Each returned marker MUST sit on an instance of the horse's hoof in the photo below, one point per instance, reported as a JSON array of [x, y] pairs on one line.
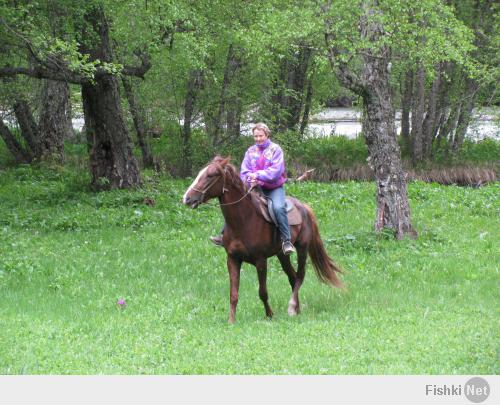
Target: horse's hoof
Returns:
[[293, 308], [293, 311]]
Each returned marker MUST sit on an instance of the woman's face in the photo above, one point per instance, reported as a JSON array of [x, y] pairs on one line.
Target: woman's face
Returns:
[[259, 136]]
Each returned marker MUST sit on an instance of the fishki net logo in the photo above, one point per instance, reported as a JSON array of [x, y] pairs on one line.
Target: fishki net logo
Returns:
[[475, 390]]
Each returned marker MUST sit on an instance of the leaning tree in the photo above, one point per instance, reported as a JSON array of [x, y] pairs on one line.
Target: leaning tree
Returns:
[[362, 41], [362, 46], [87, 60]]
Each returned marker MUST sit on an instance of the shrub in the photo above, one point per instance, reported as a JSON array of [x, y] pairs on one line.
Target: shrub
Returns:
[[331, 151], [484, 151]]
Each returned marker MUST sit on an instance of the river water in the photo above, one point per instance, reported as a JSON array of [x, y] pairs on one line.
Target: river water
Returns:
[[347, 122]]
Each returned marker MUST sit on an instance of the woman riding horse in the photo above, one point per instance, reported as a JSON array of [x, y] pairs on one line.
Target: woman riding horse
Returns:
[[264, 165], [249, 237]]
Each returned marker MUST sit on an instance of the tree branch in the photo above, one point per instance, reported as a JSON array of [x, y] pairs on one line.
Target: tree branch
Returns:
[[53, 68], [40, 72], [138, 71], [348, 78], [63, 74]]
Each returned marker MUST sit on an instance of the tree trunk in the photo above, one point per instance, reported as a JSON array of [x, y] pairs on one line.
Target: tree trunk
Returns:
[[226, 81], [234, 103], [406, 108], [28, 126], [441, 106], [379, 129], [481, 19], [307, 107], [20, 154], [417, 116], [233, 118], [112, 162], [465, 114], [137, 117], [298, 83], [55, 120], [193, 86], [278, 100], [289, 90], [430, 124], [457, 99], [452, 109], [230, 105]]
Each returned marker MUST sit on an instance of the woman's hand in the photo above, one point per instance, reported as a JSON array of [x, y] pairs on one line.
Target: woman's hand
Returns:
[[252, 179]]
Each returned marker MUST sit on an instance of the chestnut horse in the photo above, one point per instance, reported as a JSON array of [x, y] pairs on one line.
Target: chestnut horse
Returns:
[[248, 237]]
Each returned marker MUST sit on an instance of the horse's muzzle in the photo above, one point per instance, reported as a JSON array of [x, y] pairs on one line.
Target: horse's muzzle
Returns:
[[191, 202]]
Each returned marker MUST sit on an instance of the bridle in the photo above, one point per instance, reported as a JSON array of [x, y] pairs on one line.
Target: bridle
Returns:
[[224, 189]]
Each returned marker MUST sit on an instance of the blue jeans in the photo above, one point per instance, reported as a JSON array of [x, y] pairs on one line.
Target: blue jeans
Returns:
[[277, 195], [279, 206]]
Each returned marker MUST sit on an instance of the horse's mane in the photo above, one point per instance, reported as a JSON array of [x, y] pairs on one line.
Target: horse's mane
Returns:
[[231, 173]]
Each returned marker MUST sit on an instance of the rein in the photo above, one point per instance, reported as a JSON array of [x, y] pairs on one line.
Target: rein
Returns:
[[236, 202], [224, 189]]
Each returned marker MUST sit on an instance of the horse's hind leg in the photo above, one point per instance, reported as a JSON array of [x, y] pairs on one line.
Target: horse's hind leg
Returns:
[[262, 275], [293, 304], [301, 271]]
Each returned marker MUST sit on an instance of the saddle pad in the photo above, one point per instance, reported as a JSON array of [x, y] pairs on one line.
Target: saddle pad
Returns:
[[294, 217]]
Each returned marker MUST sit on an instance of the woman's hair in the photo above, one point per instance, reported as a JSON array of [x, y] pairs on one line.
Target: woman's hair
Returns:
[[263, 127]]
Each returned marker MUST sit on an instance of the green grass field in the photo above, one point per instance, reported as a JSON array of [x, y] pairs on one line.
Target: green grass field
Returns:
[[426, 306]]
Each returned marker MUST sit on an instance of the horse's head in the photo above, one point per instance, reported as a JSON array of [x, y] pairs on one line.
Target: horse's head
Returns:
[[208, 184]]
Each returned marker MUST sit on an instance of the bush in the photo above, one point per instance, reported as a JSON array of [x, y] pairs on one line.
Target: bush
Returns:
[[168, 149], [334, 157], [332, 151], [485, 151]]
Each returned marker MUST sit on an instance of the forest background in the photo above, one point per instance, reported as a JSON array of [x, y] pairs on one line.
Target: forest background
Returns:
[[93, 216]]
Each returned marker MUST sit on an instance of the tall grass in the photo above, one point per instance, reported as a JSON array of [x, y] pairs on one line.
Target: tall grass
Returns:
[[67, 255]]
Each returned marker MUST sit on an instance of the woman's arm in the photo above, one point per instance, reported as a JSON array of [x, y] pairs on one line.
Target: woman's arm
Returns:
[[245, 167], [277, 168]]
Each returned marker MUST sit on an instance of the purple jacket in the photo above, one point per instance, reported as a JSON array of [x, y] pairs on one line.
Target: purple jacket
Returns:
[[268, 162]]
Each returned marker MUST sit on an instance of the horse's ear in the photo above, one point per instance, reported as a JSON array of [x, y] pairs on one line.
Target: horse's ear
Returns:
[[225, 161]]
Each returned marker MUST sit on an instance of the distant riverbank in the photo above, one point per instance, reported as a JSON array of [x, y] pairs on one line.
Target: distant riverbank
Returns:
[[347, 122]]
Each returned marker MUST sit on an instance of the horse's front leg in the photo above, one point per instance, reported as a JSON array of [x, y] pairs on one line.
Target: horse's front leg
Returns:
[[233, 267], [262, 274]]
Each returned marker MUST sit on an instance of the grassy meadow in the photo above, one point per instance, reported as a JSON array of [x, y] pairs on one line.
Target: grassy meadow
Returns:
[[67, 255]]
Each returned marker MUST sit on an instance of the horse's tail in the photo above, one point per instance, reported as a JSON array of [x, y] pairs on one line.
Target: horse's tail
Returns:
[[325, 268]]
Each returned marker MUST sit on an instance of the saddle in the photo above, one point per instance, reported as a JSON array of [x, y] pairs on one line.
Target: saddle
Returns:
[[264, 206]]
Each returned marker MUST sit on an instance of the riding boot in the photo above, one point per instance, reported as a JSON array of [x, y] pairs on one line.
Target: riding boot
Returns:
[[288, 248]]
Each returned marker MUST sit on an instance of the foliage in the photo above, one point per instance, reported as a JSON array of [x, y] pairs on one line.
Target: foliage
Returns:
[[181, 36], [484, 151], [324, 153], [68, 255], [168, 149], [328, 153], [332, 151]]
